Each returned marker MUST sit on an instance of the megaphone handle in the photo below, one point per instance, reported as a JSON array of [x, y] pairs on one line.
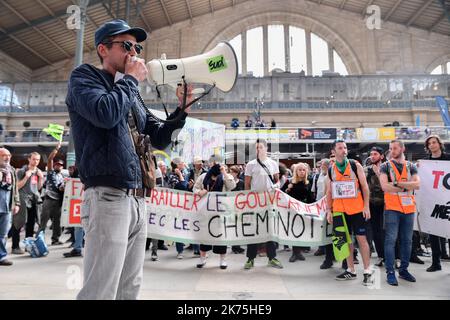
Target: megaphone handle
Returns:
[[184, 94], [198, 98], [159, 97]]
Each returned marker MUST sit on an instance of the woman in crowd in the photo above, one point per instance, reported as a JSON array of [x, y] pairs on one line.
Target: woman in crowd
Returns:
[[299, 188], [215, 180]]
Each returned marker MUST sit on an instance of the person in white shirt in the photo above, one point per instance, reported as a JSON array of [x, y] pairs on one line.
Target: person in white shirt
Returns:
[[262, 174]]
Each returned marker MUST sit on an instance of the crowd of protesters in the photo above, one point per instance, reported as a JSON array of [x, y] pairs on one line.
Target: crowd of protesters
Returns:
[[382, 226]]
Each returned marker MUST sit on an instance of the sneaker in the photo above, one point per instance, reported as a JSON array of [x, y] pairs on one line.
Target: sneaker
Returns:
[[326, 265], [319, 252], [380, 262], [223, 264], [72, 253], [154, 256], [5, 262], [249, 264], [391, 279], [405, 275], [434, 268], [275, 263], [416, 259], [17, 251], [238, 250], [56, 243], [163, 247], [202, 262], [346, 275], [297, 256], [71, 239], [180, 256], [368, 279]]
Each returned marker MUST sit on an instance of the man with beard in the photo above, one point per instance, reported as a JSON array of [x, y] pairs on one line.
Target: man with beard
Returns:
[[356, 209], [376, 200], [398, 179], [9, 201], [30, 180]]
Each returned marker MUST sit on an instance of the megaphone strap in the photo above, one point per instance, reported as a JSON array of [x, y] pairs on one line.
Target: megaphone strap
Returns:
[[183, 107]]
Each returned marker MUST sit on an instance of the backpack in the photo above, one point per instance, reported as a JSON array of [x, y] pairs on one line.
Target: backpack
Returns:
[[36, 247]]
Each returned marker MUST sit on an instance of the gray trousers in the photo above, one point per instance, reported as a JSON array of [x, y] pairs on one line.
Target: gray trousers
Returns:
[[115, 234], [51, 210]]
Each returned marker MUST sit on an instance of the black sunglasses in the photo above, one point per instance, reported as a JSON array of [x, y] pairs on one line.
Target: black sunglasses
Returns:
[[127, 45]]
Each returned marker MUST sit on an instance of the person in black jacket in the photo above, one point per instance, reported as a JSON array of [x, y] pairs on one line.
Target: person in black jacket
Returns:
[[435, 148], [299, 188], [235, 171], [101, 104]]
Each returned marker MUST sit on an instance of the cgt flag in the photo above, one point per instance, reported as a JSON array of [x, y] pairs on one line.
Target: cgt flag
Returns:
[[55, 130]]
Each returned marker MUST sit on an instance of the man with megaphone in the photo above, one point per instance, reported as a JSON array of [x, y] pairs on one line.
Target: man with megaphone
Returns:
[[113, 134]]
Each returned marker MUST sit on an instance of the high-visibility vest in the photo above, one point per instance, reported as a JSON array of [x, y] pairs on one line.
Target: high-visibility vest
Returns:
[[404, 202], [350, 205]]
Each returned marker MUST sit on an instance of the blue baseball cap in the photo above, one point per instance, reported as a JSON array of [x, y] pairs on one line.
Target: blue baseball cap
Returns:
[[116, 27]]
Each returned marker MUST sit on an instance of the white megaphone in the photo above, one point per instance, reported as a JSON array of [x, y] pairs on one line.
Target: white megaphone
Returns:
[[216, 67]]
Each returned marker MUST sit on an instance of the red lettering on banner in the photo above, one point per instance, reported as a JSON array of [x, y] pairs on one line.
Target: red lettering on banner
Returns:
[[279, 196], [239, 205], [271, 197], [186, 200], [321, 205], [77, 188], [196, 200], [163, 199], [173, 205], [293, 203], [154, 197], [75, 211], [437, 176], [255, 199]]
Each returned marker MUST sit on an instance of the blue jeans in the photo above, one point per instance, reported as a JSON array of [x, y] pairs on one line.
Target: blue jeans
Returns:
[[180, 246], [398, 224], [5, 225], [79, 234]]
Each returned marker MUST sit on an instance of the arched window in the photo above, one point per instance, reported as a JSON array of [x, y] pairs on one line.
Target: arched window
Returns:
[[281, 56], [442, 69]]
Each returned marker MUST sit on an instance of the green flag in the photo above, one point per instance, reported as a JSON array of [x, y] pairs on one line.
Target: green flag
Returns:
[[341, 238], [55, 130]]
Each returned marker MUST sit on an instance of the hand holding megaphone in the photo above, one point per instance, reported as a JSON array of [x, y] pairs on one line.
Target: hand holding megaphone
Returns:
[[136, 67], [189, 95]]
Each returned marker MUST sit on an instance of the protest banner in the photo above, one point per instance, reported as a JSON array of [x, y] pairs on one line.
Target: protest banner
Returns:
[[223, 218], [433, 198]]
